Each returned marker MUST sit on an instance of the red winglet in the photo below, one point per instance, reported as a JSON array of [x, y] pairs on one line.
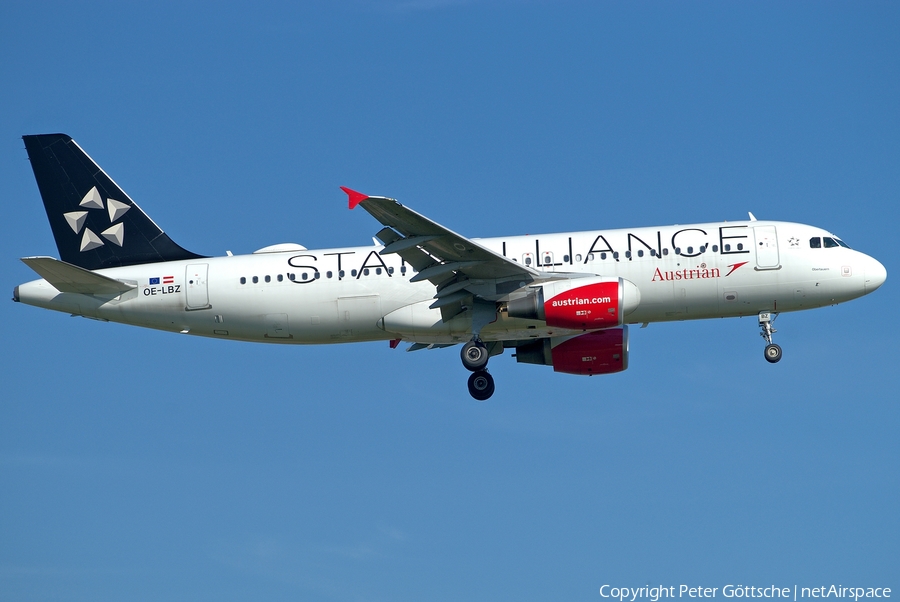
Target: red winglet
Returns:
[[355, 197]]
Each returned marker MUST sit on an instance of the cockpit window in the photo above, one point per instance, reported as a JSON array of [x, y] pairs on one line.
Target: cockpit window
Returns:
[[831, 242]]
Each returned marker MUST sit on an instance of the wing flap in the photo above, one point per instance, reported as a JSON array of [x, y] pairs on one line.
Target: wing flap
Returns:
[[68, 278]]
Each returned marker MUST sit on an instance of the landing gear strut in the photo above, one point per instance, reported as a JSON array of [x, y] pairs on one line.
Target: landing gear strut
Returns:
[[773, 351], [475, 354]]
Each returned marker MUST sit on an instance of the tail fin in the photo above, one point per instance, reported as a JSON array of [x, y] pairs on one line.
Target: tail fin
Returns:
[[95, 224]]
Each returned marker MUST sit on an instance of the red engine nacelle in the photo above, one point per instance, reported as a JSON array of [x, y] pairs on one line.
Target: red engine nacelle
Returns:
[[599, 352], [586, 307], [580, 304]]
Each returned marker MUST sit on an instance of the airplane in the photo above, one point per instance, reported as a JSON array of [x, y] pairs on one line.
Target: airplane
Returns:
[[564, 300]]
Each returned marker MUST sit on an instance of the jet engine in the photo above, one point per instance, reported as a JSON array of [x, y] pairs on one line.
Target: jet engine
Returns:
[[598, 352], [581, 304]]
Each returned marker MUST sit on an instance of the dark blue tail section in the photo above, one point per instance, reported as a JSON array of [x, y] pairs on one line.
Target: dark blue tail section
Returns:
[[95, 224]]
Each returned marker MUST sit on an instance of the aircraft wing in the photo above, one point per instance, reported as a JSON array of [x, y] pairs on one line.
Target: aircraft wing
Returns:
[[434, 251], [458, 266]]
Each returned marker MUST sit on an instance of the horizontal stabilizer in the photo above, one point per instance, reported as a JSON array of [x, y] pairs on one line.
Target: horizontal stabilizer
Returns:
[[68, 278]]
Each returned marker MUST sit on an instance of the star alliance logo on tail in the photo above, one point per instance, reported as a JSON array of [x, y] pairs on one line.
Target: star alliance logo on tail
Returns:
[[114, 234]]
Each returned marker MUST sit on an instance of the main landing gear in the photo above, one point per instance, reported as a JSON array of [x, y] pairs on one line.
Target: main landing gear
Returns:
[[773, 351], [475, 357], [481, 385]]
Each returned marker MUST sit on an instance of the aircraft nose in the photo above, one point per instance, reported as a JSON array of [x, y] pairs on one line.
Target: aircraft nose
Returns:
[[875, 274]]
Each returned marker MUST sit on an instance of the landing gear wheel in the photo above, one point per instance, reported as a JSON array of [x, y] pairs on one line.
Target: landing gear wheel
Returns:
[[773, 351], [481, 385], [474, 356]]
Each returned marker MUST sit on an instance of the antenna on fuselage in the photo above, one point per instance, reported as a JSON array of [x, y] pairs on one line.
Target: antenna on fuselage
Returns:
[[752, 217]]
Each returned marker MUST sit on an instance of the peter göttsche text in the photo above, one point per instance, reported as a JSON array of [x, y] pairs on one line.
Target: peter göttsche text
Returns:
[[655, 594]]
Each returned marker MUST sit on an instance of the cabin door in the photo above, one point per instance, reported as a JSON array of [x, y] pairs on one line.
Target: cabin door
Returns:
[[766, 247], [195, 285]]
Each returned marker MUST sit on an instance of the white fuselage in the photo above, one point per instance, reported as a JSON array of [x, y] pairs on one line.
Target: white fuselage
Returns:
[[356, 294]]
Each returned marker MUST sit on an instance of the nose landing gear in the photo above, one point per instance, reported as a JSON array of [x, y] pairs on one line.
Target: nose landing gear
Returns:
[[773, 351], [475, 356]]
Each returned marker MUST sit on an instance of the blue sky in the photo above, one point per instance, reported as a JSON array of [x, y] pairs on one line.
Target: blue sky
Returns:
[[148, 466]]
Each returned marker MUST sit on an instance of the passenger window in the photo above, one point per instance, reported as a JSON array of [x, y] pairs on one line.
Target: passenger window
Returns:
[[578, 257], [303, 276], [527, 260], [829, 242], [390, 270], [615, 255], [255, 279], [665, 251], [366, 272], [328, 274], [280, 277], [341, 274], [602, 255], [652, 252], [378, 271], [640, 252], [690, 250], [317, 275], [565, 259], [353, 273], [243, 280], [727, 247], [740, 246], [627, 254], [715, 248], [403, 269], [678, 250], [268, 278]]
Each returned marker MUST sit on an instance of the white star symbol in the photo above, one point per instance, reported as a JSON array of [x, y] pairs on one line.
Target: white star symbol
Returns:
[[114, 234]]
